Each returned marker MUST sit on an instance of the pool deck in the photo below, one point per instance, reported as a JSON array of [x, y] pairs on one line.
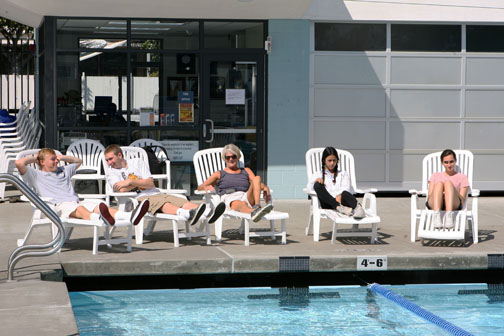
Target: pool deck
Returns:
[[32, 306]]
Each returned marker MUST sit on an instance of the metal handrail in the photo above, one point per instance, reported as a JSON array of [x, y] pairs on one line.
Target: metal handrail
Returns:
[[56, 243]]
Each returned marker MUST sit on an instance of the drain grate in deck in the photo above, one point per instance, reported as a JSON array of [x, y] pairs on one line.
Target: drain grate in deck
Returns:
[[294, 264], [496, 261]]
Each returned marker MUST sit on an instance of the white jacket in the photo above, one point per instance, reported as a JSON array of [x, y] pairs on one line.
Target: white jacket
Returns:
[[334, 189]]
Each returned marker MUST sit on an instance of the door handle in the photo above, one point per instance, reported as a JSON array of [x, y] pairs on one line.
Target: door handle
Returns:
[[211, 130]]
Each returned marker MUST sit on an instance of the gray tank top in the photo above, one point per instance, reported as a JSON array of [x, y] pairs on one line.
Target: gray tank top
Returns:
[[229, 183]]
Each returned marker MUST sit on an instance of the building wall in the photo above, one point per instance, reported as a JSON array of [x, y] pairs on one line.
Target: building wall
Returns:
[[288, 107], [392, 108]]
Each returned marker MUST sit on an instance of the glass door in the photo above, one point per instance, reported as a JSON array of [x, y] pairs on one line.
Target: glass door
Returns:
[[234, 106]]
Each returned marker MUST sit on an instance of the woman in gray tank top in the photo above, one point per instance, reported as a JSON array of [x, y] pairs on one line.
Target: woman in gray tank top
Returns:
[[239, 187]]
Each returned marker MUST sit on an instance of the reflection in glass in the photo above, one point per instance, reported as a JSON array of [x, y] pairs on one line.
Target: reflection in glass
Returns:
[[161, 34], [232, 94], [104, 137], [94, 34], [485, 38], [234, 34], [91, 91], [350, 37], [410, 37]]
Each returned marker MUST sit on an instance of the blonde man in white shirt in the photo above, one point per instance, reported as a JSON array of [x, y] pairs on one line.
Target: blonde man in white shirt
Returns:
[[333, 187], [134, 175]]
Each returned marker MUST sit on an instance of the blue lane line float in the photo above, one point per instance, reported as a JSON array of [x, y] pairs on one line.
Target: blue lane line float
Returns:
[[425, 314]]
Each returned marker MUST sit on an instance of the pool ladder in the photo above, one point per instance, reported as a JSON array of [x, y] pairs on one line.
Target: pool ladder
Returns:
[[28, 250]]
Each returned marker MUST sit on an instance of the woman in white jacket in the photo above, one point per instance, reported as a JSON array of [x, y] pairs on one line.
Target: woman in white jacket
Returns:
[[333, 187]]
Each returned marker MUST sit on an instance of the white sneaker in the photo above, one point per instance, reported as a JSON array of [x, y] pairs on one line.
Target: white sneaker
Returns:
[[449, 220], [344, 210], [436, 220], [359, 212]]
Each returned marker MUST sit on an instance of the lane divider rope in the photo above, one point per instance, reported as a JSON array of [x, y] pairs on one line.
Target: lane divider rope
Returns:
[[425, 314]]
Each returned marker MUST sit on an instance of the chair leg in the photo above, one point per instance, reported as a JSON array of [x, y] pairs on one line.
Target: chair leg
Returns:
[[218, 229], [309, 227], [284, 232], [139, 231], [374, 236], [95, 240], [130, 238], [316, 228], [175, 233], [334, 233], [246, 229], [272, 228]]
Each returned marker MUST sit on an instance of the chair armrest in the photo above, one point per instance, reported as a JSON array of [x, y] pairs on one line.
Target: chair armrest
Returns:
[[365, 191], [417, 192], [475, 192], [123, 194], [92, 196], [309, 192], [173, 191], [203, 192]]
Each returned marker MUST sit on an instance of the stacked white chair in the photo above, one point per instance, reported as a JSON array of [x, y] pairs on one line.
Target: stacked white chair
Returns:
[[14, 137], [90, 152], [149, 220], [161, 155], [208, 161]]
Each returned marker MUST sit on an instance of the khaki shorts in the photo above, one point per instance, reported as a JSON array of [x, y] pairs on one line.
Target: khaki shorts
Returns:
[[157, 201], [236, 196], [64, 209]]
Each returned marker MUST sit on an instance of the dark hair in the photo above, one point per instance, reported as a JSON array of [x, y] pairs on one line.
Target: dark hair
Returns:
[[328, 151], [448, 152]]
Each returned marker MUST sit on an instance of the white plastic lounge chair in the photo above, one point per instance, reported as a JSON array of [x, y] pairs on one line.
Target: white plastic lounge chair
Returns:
[[346, 163], [432, 164], [91, 168], [161, 155], [208, 161], [69, 224], [125, 198]]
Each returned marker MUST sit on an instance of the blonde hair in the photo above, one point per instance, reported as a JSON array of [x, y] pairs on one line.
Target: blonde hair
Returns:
[[233, 149], [116, 149], [42, 154]]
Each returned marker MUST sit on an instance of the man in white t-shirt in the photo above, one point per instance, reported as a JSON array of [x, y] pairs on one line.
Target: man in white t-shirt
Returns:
[[134, 175], [54, 183]]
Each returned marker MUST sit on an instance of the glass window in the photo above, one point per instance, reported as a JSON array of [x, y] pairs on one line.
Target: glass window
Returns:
[[350, 37], [180, 147], [92, 34], [91, 89], [159, 34], [104, 137], [407, 37], [485, 38], [234, 34], [179, 99]]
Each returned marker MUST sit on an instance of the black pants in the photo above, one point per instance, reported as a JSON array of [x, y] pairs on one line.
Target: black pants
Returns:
[[329, 202]]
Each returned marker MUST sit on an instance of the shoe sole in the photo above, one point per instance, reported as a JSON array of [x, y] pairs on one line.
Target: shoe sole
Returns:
[[105, 213], [218, 211], [139, 213], [199, 211], [263, 212]]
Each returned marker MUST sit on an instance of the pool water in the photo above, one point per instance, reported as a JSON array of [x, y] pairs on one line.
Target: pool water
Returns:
[[342, 310]]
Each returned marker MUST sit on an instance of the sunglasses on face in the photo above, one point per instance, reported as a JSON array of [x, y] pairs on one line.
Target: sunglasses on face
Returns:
[[230, 157]]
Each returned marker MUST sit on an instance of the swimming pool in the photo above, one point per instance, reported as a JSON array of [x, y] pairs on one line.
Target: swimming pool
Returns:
[[342, 310]]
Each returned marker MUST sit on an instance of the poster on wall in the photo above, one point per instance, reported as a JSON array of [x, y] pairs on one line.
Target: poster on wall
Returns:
[[186, 106]]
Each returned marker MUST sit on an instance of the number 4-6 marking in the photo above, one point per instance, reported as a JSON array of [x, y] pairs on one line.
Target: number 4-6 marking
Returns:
[[368, 263]]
